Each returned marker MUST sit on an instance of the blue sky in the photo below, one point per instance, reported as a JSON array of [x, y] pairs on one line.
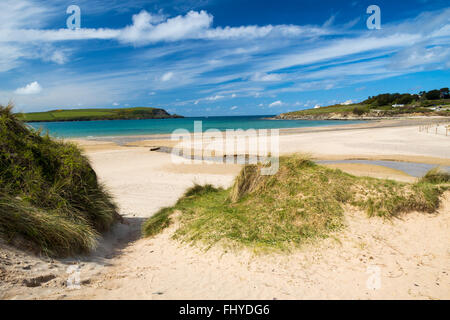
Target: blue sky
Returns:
[[218, 57]]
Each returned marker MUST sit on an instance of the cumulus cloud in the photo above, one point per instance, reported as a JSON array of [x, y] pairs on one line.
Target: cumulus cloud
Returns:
[[31, 88], [233, 107], [167, 76], [346, 103], [148, 28]]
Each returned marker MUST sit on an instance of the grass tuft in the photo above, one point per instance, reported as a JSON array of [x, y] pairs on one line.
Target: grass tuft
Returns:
[[49, 193], [302, 201], [436, 176], [158, 222]]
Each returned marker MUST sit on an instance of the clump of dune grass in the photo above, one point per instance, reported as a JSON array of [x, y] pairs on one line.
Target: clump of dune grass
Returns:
[[161, 220], [436, 176], [49, 193], [158, 222], [301, 202]]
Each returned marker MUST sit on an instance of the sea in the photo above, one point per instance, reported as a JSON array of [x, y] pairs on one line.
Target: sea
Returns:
[[104, 128]]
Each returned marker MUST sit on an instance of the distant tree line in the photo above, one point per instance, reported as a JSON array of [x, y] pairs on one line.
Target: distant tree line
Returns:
[[406, 98]]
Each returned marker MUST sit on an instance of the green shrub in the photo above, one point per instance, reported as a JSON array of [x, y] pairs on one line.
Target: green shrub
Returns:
[[358, 111]]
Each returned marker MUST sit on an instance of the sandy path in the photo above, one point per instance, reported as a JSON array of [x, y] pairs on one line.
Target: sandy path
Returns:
[[411, 255], [144, 181], [141, 182]]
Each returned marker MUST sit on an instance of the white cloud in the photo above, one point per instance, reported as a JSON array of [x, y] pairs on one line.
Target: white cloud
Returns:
[[345, 47], [115, 104], [220, 66], [24, 12], [68, 94], [346, 103], [150, 28], [422, 57], [214, 98], [233, 107], [167, 76], [31, 88], [9, 57], [147, 28], [253, 32], [317, 106], [210, 98], [330, 21], [49, 53], [260, 76], [59, 57], [276, 104]]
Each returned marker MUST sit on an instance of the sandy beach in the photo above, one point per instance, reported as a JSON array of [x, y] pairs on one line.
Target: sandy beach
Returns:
[[411, 254]]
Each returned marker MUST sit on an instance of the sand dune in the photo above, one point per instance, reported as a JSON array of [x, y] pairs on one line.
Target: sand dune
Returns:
[[410, 254]]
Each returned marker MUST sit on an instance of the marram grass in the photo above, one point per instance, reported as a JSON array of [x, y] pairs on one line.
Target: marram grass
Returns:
[[303, 201], [436, 175], [49, 194]]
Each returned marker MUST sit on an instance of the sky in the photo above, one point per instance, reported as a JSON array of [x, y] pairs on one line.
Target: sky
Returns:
[[219, 57]]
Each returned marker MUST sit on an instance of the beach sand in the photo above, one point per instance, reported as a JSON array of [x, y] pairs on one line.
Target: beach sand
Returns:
[[411, 254]]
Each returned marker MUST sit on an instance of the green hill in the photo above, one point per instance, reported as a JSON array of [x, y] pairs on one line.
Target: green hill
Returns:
[[50, 199], [96, 114], [434, 102]]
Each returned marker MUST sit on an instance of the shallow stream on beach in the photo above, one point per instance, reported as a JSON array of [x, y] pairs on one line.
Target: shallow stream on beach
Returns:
[[412, 168]]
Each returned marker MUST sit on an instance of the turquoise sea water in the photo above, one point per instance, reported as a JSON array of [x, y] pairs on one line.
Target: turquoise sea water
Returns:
[[166, 126]]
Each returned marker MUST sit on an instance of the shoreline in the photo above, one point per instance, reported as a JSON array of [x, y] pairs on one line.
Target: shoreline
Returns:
[[369, 124], [375, 127]]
